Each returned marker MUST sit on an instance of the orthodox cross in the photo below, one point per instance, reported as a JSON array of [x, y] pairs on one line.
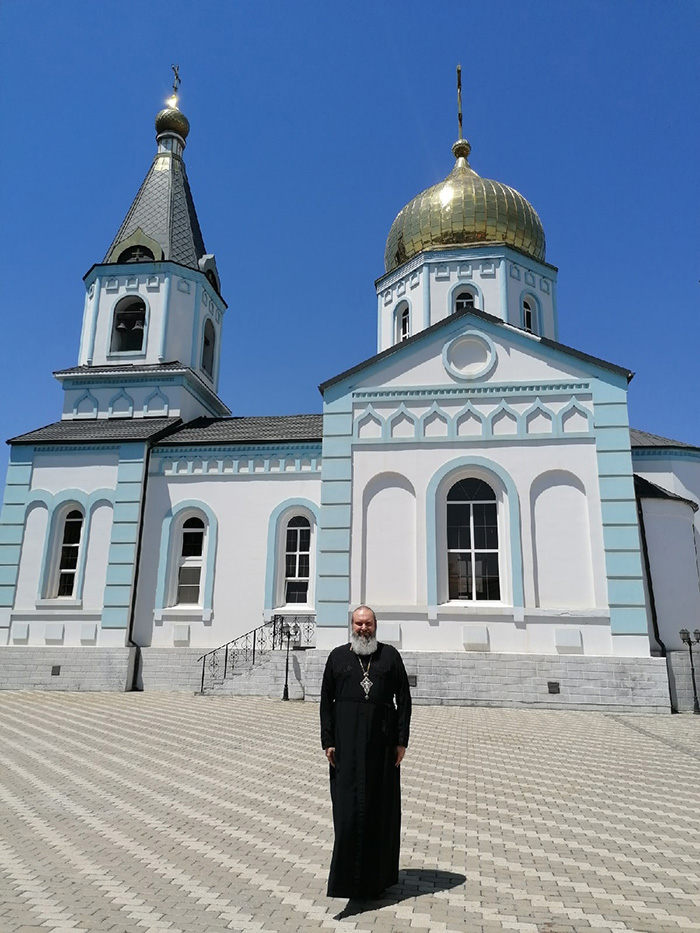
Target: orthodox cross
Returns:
[[459, 99], [176, 80]]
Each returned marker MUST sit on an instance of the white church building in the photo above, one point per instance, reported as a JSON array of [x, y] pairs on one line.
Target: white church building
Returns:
[[476, 482]]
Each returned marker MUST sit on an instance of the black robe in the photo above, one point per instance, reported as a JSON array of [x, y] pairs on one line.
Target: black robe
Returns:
[[365, 782]]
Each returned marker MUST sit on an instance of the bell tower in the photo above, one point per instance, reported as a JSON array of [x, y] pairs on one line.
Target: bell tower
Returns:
[[153, 317]]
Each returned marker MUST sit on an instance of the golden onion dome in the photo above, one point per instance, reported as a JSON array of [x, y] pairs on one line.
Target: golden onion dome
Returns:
[[172, 120], [464, 210]]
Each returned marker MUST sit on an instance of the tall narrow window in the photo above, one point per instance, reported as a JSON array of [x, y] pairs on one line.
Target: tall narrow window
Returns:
[[465, 301], [297, 560], [402, 323], [208, 343], [472, 541], [129, 325], [190, 562], [70, 548], [528, 317]]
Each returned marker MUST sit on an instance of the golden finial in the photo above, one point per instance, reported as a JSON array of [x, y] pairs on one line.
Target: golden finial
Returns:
[[461, 148], [172, 101]]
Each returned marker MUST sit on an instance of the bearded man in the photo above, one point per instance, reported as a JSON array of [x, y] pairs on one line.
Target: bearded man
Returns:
[[365, 720]]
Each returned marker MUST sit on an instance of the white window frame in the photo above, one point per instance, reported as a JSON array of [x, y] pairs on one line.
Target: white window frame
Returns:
[[504, 539], [472, 551], [464, 290], [402, 322], [57, 553], [282, 579], [178, 561]]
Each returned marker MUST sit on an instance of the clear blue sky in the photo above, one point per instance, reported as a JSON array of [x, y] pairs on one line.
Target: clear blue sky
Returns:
[[313, 123]]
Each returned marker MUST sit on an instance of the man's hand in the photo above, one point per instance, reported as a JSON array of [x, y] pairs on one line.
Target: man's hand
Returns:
[[400, 752], [330, 755]]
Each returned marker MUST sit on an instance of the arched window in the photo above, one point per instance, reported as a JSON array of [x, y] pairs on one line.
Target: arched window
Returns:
[[472, 541], [297, 562], [402, 323], [68, 557], [528, 316], [465, 300], [208, 344], [189, 572], [129, 325]]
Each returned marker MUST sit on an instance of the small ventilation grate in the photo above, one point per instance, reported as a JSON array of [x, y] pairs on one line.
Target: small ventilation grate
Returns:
[[553, 686], [412, 680], [56, 670]]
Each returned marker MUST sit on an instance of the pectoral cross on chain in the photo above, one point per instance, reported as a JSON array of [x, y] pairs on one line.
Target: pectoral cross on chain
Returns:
[[366, 685]]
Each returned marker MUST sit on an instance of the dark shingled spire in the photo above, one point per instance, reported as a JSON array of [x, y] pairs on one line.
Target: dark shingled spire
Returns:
[[163, 213]]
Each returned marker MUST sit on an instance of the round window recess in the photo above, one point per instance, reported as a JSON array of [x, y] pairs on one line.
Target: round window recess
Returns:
[[469, 356]]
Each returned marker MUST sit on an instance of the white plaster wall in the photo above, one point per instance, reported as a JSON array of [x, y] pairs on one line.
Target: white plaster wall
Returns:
[[99, 534], [174, 401], [178, 344], [500, 283], [389, 557], [424, 365], [674, 568], [243, 505], [678, 475], [86, 471], [525, 464], [561, 542], [31, 557], [152, 295]]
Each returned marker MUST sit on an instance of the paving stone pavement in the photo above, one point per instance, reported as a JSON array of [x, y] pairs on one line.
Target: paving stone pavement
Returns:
[[141, 813]]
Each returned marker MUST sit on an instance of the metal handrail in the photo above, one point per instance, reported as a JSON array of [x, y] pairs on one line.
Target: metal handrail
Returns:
[[258, 641]]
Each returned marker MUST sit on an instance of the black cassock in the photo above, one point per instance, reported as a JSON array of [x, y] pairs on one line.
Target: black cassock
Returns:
[[365, 783]]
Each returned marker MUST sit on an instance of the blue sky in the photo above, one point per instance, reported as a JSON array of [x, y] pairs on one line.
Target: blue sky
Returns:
[[313, 123]]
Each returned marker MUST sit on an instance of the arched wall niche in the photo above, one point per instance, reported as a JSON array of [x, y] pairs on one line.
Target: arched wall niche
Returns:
[[29, 576], [389, 569], [561, 542]]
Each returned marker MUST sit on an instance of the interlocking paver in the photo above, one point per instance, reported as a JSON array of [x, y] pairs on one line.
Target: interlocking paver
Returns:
[[156, 812]]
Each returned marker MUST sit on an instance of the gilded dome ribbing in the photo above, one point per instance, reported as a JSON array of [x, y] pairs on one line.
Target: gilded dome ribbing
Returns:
[[172, 120], [464, 210]]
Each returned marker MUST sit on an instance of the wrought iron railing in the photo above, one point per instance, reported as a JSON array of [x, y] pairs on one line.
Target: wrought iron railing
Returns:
[[242, 653]]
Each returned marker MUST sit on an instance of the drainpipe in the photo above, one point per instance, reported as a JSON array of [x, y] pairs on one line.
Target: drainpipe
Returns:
[[139, 542], [652, 600]]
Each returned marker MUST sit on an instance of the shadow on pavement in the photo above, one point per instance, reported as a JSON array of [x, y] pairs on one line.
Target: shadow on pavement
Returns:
[[413, 882]]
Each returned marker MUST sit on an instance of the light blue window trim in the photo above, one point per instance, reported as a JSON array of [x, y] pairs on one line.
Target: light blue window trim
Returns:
[[437, 490], [527, 295], [168, 559], [128, 354], [380, 318], [58, 506], [282, 512], [465, 285], [164, 317]]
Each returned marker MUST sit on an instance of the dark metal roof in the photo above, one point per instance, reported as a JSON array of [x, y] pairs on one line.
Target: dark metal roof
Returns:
[[644, 439], [483, 316], [102, 430], [248, 430], [164, 210], [645, 489], [124, 368]]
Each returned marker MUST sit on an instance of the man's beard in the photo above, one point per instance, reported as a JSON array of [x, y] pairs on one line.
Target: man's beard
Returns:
[[363, 644]]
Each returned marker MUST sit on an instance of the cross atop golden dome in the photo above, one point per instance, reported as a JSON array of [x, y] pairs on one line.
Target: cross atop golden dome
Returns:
[[464, 210]]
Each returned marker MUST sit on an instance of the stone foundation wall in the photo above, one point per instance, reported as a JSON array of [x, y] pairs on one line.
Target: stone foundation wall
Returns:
[[461, 679], [637, 685], [29, 668]]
